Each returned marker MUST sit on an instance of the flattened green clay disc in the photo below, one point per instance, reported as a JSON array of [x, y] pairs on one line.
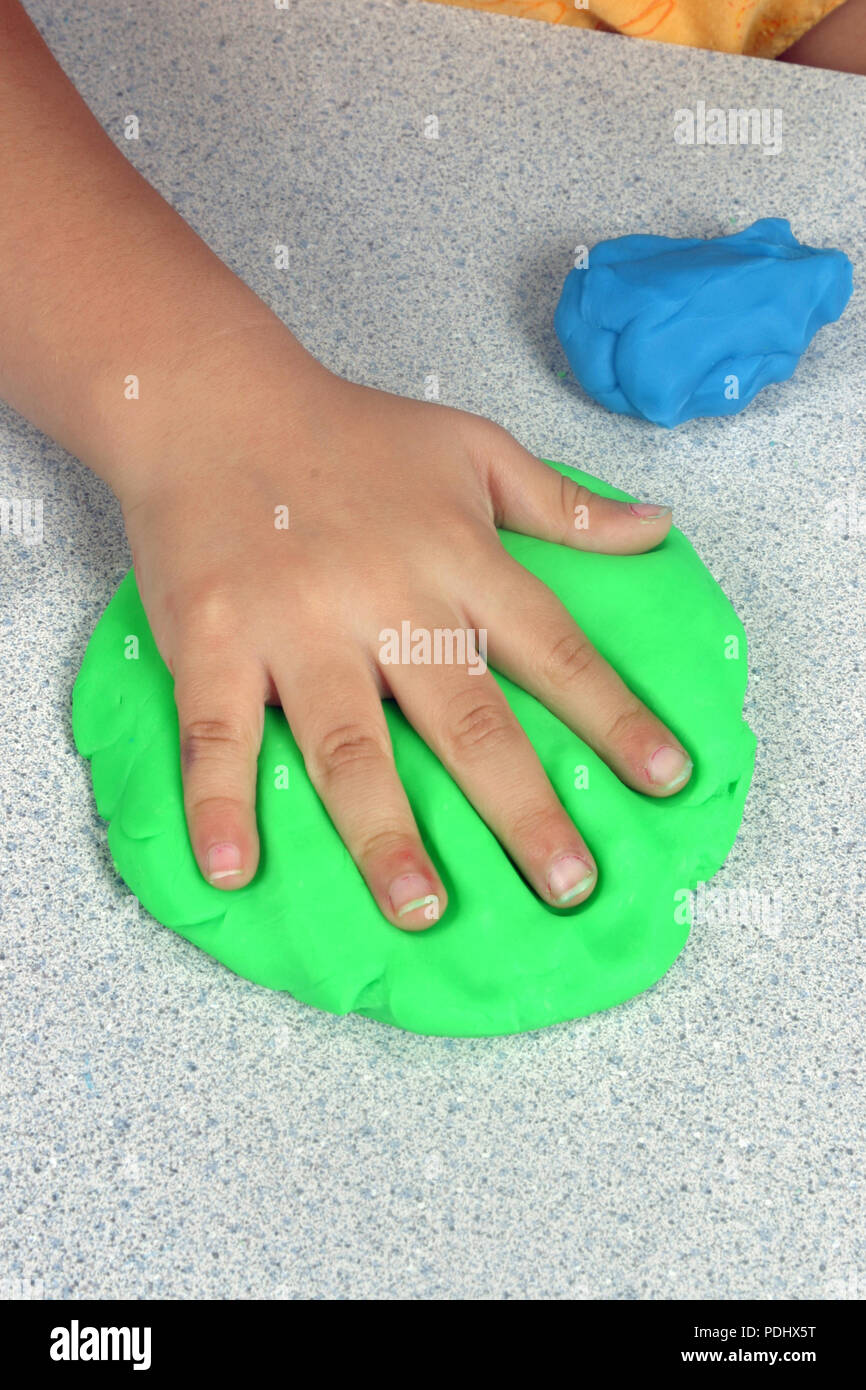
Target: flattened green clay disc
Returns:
[[499, 961]]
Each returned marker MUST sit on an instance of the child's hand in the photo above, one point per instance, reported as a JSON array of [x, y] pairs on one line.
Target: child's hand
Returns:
[[393, 510]]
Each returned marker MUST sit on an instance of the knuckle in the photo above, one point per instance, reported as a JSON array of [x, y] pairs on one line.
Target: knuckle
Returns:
[[483, 439], [571, 496], [568, 659], [624, 722], [345, 747], [211, 611], [537, 825], [387, 843], [205, 740], [475, 725], [478, 430], [218, 807]]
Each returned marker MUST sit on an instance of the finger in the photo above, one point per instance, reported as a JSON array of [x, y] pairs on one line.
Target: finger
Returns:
[[536, 643], [221, 716], [531, 497], [460, 711], [335, 713]]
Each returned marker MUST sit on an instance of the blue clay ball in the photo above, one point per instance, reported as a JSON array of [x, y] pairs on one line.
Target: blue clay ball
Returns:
[[668, 328]]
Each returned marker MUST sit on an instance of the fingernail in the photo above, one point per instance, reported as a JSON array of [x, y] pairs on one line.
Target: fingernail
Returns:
[[647, 511], [409, 894], [568, 878], [223, 861], [668, 767]]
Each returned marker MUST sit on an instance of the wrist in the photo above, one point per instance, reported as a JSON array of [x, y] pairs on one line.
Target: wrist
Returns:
[[227, 391]]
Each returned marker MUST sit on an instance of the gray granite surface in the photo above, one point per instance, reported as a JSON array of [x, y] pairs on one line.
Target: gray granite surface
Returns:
[[168, 1130]]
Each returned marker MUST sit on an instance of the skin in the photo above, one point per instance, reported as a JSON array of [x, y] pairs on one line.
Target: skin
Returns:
[[838, 42], [393, 507]]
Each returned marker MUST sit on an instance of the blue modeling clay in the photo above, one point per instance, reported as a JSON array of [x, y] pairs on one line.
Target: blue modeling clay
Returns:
[[667, 328]]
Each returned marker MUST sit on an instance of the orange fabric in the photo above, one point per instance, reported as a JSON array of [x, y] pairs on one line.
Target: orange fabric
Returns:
[[759, 28]]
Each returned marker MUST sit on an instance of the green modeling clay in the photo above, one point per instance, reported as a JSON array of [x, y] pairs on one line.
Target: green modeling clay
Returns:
[[500, 961]]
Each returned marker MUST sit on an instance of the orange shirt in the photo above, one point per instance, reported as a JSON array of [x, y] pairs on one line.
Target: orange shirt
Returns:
[[759, 28]]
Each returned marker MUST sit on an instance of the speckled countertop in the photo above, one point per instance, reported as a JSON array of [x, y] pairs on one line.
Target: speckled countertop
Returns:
[[169, 1130]]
